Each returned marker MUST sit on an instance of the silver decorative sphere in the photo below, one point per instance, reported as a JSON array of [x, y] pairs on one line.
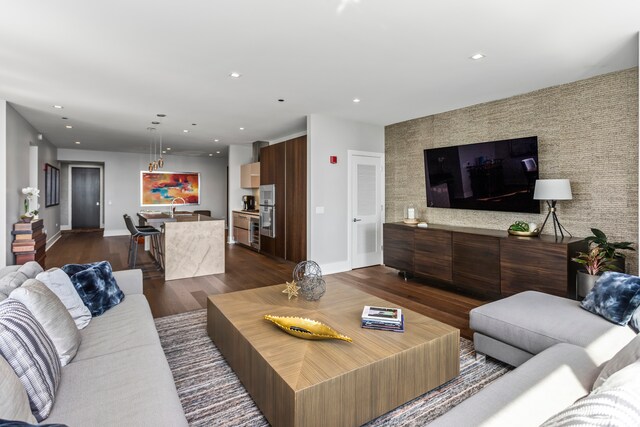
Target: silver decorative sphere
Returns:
[[308, 276]]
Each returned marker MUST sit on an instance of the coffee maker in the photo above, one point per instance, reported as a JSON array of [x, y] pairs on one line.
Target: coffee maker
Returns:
[[249, 203]]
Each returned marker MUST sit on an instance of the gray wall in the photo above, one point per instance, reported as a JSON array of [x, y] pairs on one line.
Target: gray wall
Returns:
[[122, 182], [328, 237], [587, 132], [20, 136]]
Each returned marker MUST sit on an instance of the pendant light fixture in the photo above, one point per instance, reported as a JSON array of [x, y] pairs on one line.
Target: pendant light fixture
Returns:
[[160, 160], [150, 129]]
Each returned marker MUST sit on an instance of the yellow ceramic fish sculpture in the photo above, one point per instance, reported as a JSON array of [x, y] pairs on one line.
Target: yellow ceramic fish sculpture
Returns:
[[306, 328]]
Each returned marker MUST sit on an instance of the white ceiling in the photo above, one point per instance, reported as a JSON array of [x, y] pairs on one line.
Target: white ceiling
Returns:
[[114, 64]]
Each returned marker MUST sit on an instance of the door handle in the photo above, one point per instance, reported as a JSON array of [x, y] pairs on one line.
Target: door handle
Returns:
[[356, 219], [97, 203]]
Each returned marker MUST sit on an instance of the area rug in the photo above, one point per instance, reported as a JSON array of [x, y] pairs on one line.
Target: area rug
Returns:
[[212, 395]]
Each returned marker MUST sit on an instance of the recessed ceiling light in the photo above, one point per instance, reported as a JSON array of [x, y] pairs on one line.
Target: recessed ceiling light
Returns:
[[235, 75], [59, 107], [65, 118], [477, 56], [280, 100], [185, 130], [168, 148], [241, 128], [210, 154], [356, 100], [217, 152], [193, 124], [78, 142], [69, 126], [164, 151], [155, 123], [216, 140], [161, 115]]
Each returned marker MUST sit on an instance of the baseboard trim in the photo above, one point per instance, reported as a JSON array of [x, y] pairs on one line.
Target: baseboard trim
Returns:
[[120, 232], [52, 241], [335, 267], [65, 227]]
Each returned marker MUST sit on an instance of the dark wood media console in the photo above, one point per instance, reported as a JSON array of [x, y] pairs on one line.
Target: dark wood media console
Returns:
[[485, 262]]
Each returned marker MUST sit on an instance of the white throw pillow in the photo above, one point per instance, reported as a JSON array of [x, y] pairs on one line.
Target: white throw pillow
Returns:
[[51, 313], [615, 403], [14, 404], [58, 281], [629, 354]]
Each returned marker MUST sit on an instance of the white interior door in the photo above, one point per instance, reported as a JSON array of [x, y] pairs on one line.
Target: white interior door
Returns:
[[367, 209]]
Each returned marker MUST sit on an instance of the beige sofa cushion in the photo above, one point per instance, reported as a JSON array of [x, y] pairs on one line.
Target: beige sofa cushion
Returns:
[[529, 395], [625, 357], [128, 388], [615, 403], [123, 327], [51, 313], [14, 404]]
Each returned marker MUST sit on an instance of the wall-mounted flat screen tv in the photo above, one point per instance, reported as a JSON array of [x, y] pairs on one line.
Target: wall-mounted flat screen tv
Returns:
[[490, 176]]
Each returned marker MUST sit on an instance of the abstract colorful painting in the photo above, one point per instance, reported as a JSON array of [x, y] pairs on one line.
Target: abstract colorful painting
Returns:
[[160, 188]]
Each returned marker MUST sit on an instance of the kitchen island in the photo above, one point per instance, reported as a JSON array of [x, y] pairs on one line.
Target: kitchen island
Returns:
[[192, 245]]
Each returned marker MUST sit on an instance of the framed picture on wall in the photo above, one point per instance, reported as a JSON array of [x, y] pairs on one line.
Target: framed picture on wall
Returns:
[[51, 185], [160, 188]]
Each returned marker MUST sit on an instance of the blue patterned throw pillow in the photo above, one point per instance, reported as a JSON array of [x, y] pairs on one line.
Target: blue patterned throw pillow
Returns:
[[615, 296], [96, 285]]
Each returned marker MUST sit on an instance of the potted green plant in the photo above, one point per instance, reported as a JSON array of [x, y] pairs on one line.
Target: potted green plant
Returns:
[[595, 262], [602, 256], [610, 249]]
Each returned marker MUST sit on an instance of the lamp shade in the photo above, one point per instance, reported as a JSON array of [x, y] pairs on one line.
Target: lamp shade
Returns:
[[552, 189]]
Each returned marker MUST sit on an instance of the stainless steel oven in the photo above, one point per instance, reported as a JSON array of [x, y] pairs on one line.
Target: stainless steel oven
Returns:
[[254, 232], [268, 210], [268, 221]]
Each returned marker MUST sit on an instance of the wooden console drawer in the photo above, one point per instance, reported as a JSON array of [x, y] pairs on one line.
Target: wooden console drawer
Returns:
[[433, 254], [476, 263], [398, 247]]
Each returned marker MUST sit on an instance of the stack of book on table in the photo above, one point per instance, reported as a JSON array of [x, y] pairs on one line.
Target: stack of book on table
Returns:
[[383, 318]]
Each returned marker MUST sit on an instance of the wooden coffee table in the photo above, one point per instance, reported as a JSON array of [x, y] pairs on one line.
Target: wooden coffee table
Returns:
[[298, 382]]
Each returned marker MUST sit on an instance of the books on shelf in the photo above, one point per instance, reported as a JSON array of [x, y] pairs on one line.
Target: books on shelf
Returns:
[[383, 318]]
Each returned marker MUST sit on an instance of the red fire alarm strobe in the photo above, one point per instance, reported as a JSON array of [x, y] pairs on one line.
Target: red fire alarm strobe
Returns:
[[333, 159]]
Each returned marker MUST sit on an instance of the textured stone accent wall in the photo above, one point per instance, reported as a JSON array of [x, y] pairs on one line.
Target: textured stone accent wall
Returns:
[[587, 132]]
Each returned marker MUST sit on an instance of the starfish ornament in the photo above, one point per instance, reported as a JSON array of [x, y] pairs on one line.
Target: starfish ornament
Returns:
[[291, 289]]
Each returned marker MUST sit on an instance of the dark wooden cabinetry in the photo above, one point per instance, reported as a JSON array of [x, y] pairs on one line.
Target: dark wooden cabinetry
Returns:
[[285, 165], [398, 247], [538, 265], [296, 195], [432, 256], [490, 263], [476, 263], [30, 242]]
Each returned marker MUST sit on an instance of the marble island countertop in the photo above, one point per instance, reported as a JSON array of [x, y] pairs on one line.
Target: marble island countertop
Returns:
[[177, 217]]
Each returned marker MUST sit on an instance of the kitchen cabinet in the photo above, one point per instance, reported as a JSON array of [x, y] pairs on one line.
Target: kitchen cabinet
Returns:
[[285, 166], [241, 228], [250, 175]]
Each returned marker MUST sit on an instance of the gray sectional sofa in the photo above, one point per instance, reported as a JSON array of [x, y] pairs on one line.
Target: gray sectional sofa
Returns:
[[559, 350], [119, 375]]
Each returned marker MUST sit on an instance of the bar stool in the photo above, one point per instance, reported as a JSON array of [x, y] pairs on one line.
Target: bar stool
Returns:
[[142, 231]]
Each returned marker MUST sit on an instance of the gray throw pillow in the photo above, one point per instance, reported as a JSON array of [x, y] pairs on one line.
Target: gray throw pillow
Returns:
[[58, 281], [31, 354], [51, 313], [15, 279], [14, 404]]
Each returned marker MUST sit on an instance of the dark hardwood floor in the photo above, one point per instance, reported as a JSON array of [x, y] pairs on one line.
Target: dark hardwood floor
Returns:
[[246, 269]]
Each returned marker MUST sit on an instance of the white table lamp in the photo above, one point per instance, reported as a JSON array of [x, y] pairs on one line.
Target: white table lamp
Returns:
[[552, 190]]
